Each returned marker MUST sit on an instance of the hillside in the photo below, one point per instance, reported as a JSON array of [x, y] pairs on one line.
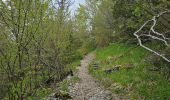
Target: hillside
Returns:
[[132, 75]]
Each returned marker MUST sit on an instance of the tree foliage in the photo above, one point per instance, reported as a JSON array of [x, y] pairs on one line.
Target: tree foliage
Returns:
[[36, 45], [39, 39]]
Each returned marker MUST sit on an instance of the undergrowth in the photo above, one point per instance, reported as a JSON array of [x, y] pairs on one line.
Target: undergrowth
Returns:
[[136, 82]]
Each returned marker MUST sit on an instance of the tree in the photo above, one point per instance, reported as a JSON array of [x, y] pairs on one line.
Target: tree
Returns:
[[154, 34], [21, 21]]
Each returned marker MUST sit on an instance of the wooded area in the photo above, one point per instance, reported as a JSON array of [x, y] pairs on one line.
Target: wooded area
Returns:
[[40, 39]]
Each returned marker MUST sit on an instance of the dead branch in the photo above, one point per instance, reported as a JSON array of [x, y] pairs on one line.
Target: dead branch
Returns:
[[155, 35]]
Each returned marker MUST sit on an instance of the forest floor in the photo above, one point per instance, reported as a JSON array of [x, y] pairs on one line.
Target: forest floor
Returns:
[[88, 88], [133, 80], [126, 71]]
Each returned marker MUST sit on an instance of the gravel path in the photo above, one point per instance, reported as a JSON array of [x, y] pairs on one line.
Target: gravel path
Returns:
[[87, 88]]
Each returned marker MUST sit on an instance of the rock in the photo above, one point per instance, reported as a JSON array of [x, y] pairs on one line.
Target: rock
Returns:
[[117, 87], [79, 65], [70, 73], [63, 96], [103, 95], [95, 66], [59, 95], [110, 70]]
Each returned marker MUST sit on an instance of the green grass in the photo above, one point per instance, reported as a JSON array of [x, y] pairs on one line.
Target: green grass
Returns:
[[142, 82]]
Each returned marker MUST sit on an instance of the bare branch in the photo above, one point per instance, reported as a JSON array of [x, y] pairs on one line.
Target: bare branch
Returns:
[[156, 35]]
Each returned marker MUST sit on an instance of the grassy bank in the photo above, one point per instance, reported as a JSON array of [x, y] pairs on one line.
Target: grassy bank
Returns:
[[134, 78]]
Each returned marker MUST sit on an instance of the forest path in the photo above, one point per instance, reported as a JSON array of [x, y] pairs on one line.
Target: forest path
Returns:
[[87, 88]]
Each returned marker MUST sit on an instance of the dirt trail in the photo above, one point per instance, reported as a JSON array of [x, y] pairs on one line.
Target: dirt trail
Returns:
[[87, 88]]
